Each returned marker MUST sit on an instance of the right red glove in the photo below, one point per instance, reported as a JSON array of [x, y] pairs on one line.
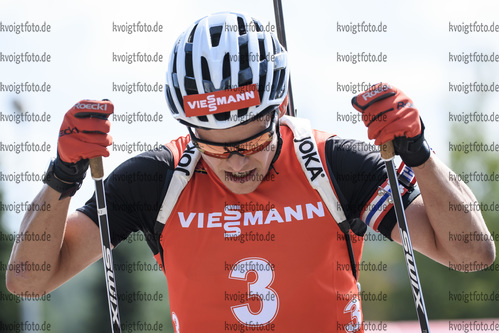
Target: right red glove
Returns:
[[83, 133]]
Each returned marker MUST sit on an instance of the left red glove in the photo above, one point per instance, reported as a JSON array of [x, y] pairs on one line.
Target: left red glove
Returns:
[[391, 116], [388, 113]]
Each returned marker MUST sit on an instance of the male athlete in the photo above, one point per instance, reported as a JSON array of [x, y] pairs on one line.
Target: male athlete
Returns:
[[253, 203]]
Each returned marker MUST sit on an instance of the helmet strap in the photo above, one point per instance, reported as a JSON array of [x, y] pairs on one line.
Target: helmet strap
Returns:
[[278, 149]]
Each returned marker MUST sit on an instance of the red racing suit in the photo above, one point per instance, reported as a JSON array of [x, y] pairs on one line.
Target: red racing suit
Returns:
[[272, 260]]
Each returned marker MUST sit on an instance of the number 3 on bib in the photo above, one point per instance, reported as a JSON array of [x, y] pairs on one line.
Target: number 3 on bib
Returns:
[[259, 288], [353, 307]]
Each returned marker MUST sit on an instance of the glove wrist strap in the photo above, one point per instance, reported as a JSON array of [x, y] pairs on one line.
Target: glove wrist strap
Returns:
[[67, 189], [413, 151]]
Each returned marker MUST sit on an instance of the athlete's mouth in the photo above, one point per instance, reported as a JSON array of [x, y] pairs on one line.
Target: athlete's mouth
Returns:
[[240, 177]]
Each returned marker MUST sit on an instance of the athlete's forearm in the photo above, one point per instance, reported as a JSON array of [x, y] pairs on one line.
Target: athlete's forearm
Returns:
[[34, 260], [454, 214]]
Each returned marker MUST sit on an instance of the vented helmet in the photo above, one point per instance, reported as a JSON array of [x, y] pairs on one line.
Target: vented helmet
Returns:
[[221, 52]]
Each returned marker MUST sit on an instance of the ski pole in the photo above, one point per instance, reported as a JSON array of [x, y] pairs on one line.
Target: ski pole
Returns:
[[97, 171], [281, 34], [388, 154]]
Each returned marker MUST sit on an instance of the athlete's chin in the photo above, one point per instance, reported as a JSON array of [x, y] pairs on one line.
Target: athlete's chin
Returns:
[[240, 186]]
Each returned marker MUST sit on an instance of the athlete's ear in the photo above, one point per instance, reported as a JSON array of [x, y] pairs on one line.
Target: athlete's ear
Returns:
[[283, 107]]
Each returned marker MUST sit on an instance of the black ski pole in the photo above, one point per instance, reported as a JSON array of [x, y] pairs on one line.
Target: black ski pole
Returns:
[[97, 171], [388, 154], [281, 34]]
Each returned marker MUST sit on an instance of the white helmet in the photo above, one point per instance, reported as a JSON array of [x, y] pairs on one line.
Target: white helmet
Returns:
[[225, 51]]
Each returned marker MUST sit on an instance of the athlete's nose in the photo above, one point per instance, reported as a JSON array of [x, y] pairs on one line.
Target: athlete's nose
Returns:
[[237, 162]]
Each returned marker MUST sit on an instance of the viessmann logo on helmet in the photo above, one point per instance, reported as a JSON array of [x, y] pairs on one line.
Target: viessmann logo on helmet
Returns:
[[221, 101]]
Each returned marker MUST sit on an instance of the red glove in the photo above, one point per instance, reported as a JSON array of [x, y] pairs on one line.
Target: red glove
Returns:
[[388, 113], [83, 135], [83, 132], [391, 116]]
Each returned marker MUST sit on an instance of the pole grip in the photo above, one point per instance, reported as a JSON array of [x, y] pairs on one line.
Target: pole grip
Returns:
[[387, 151], [96, 167]]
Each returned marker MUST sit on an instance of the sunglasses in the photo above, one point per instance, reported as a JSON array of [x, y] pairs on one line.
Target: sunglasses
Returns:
[[250, 146]]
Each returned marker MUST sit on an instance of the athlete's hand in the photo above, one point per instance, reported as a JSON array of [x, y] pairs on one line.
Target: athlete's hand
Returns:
[[391, 116], [84, 131], [83, 135]]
